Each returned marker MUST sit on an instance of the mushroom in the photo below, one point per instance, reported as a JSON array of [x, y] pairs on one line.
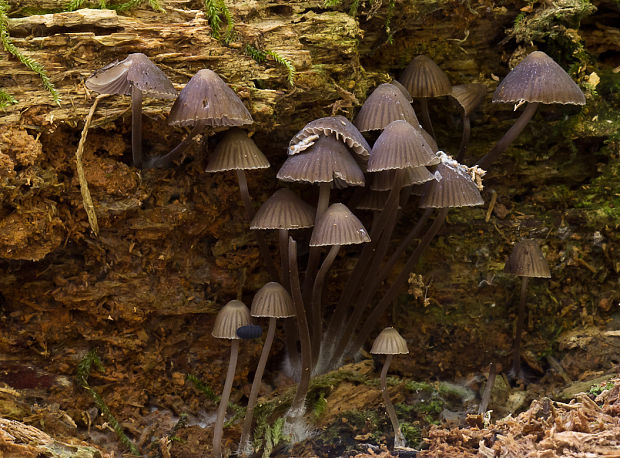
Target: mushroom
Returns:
[[205, 101], [236, 151], [526, 261], [536, 79], [389, 342], [231, 317], [469, 96], [384, 105], [423, 79], [135, 76], [271, 301]]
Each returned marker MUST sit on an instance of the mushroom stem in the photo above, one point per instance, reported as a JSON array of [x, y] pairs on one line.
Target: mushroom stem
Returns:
[[245, 447], [516, 346], [136, 126], [399, 440], [221, 410], [317, 292], [290, 329], [464, 138], [426, 116], [392, 292], [297, 406], [162, 162], [488, 389], [249, 214], [509, 136]]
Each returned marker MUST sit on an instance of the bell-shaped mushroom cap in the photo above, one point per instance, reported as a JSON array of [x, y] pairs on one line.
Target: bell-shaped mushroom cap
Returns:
[[338, 226], [456, 188], [389, 342], [283, 210], [429, 139], [400, 145], [538, 78], [236, 151], [272, 301], [232, 316], [386, 104], [373, 200], [136, 70], [339, 126], [527, 260], [382, 181], [207, 100], [402, 89], [469, 96], [424, 78], [327, 161]]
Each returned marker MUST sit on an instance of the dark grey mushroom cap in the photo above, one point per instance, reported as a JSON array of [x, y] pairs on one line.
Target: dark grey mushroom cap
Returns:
[[327, 161], [136, 70], [339, 126], [424, 78], [283, 210], [538, 78], [399, 146], [272, 301], [230, 318], [236, 151], [402, 89], [469, 96], [338, 226], [386, 104], [455, 189], [389, 342], [527, 260], [207, 100]]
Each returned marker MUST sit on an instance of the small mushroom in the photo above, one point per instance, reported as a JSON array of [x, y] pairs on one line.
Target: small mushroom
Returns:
[[469, 96], [233, 316], [526, 261], [135, 76], [389, 342], [271, 301], [384, 105]]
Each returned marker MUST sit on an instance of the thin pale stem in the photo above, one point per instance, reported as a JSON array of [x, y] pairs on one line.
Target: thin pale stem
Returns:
[[516, 346], [488, 389], [165, 161], [136, 126], [464, 138], [218, 431], [426, 116], [290, 328], [245, 447], [509, 136], [399, 440]]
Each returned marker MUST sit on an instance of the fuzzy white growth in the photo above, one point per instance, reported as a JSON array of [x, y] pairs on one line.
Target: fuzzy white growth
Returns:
[[296, 428], [302, 145], [475, 173]]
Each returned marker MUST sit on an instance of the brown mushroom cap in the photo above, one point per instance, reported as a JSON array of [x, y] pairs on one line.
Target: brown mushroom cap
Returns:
[[339, 126], [382, 181], [236, 151], [389, 342], [386, 104], [469, 96], [455, 188], [283, 210], [135, 70], [207, 100], [327, 161], [272, 301], [424, 78], [399, 146], [538, 78], [232, 316], [527, 260], [338, 226], [402, 89]]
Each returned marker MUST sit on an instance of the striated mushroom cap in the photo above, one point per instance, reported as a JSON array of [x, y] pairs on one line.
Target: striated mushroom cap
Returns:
[[236, 151], [402, 89], [338, 126], [386, 104], [135, 70], [424, 78], [389, 342], [207, 100], [283, 210], [382, 181], [272, 301], [538, 78], [527, 260], [338, 226], [233, 315], [469, 96]]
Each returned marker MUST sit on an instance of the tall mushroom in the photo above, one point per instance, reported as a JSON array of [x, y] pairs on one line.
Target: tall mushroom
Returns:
[[271, 301], [135, 76], [389, 342], [231, 317], [384, 105], [469, 96], [526, 261]]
